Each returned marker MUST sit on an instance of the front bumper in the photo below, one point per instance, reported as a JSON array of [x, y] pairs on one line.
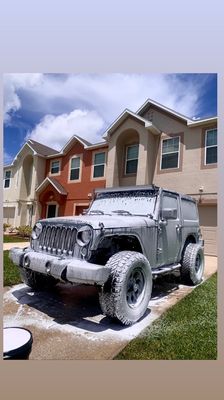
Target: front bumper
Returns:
[[69, 270]]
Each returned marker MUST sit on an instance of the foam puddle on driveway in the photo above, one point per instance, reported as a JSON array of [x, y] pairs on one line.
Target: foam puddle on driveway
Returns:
[[67, 323]]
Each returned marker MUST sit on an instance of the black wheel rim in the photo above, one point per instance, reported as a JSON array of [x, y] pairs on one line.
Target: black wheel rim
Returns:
[[135, 288], [198, 264]]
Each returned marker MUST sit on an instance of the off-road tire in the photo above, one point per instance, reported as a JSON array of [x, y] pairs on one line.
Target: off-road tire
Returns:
[[126, 294], [192, 265], [37, 281]]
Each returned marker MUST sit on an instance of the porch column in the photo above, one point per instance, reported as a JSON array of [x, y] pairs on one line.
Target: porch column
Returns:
[[143, 162], [112, 177]]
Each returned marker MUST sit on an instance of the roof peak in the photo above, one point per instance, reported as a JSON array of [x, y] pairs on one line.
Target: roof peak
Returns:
[[41, 148], [162, 106]]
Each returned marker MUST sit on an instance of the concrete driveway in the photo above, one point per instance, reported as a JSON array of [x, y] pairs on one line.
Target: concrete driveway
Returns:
[[67, 322]]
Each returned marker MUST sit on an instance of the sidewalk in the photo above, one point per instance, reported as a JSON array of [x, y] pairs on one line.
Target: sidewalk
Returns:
[[8, 246]]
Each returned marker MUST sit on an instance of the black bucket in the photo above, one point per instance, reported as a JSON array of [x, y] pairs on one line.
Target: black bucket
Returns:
[[17, 343]]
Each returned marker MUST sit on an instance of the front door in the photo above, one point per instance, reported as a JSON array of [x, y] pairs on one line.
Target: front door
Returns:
[[169, 238], [51, 210]]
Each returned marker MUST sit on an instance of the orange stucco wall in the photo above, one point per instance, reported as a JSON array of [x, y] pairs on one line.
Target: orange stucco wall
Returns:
[[78, 192]]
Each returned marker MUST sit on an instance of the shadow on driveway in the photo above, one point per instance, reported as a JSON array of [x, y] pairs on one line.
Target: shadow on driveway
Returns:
[[78, 305]]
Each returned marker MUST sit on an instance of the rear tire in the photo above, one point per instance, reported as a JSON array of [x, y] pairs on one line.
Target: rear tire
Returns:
[[126, 294], [36, 280], [192, 268]]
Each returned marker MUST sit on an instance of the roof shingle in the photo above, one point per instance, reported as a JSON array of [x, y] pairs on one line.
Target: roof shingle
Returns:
[[41, 148]]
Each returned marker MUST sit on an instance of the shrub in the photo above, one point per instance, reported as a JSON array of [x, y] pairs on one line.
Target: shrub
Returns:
[[24, 230], [11, 229], [5, 226]]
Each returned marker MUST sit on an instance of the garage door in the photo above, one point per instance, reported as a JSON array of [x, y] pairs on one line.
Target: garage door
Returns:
[[208, 223], [8, 215]]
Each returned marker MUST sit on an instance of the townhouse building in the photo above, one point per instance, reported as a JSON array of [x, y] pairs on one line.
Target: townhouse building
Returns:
[[20, 179], [42, 182], [71, 177], [155, 145]]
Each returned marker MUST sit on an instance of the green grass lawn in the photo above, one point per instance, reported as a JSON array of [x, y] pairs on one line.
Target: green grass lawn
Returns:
[[14, 239], [188, 331], [11, 272]]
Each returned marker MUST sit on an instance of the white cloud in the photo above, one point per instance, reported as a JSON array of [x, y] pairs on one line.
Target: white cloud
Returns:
[[13, 82], [54, 131], [7, 158], [109, 94], [86, 103]]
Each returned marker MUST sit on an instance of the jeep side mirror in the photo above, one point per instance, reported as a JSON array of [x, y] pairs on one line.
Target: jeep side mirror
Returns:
[[169, 213]]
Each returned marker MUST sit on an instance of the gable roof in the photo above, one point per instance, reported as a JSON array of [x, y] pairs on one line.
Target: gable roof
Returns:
[[87, 145], [67, 145], [52, 181], [123, 116], [37, 148], [190, 122], [40, 148], [149, 102]]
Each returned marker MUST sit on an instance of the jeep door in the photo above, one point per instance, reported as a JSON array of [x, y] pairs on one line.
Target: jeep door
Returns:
[[169, 235]]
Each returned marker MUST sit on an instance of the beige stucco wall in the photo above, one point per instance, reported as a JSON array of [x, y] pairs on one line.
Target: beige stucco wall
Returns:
[[26, 166], [192, 176], [188, 180], [129, 132], [9, 194]]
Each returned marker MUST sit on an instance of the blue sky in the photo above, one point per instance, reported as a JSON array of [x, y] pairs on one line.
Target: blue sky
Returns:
[[50, 108]]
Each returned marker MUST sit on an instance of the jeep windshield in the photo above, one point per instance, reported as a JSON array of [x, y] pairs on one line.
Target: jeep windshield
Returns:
[[125, 203]]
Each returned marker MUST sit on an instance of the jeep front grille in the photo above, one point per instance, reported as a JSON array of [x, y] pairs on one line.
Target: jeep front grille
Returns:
[[57, 239]]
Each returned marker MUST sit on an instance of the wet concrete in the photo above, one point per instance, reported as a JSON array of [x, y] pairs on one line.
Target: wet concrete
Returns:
[[67, 322]]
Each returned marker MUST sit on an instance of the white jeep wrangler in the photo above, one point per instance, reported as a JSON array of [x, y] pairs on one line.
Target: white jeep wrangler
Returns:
[[127, 237]]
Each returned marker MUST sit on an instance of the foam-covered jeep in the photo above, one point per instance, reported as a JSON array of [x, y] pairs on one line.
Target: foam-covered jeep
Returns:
[[127, 237]]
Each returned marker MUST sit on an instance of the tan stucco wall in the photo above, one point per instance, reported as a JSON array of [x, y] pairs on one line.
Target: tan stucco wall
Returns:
[[17, 192], [128, 132], [9, 194], [192, 176], [188, 180]]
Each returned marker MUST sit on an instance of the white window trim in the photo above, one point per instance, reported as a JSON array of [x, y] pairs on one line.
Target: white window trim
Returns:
[[130, 159], [57, 173], [7, 170], [80, 168], [93, 165], [207, 147], [51, 203], [79, 205], [173, 152]]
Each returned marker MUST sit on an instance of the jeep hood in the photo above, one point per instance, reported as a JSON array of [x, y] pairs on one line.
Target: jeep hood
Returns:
[[109, 222]]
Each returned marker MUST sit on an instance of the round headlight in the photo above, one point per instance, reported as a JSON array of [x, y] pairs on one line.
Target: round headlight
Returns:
[[84, 235], [36, 231]]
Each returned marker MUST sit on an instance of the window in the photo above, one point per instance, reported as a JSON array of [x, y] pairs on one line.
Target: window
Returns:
[[170, 201], [170, 153], [55, 167], [75, 169], [189, 210], [131, 162], [211, 146], [7, 179], [99, 165]]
